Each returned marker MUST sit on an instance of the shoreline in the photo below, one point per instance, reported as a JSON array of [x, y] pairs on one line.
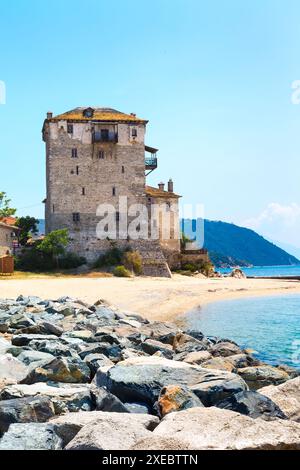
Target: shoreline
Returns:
[[155, 298]]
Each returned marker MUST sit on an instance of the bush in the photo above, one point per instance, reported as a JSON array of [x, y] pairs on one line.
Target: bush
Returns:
[[112, 257], [190, 267], [71, 261], [121, 271], [34, 260], [132, 261]]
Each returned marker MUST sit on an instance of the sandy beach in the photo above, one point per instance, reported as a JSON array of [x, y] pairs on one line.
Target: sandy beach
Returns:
[[155, 298]]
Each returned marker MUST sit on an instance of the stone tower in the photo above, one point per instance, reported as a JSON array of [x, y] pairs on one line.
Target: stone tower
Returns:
[[94, 156]]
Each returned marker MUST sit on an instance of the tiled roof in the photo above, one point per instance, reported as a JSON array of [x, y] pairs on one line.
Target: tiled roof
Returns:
[[8, 220], [156, 192], [98, 114]]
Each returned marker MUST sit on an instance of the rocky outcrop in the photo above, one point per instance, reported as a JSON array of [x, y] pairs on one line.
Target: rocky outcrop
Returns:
[[31, 436], [252, 404], [92, 377], [260, 376], [213, 428], [143, 378], [286, 396]]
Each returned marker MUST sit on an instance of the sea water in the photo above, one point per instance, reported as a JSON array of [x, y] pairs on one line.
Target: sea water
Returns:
[[267, 271], [269, 325]]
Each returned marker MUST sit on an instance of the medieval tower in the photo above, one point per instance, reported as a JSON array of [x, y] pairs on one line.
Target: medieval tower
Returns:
[[95, 156]]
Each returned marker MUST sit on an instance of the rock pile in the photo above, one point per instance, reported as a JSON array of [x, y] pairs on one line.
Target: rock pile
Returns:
[[80, 376]]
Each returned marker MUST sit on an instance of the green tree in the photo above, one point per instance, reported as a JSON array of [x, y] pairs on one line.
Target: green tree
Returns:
[[5, 209], [54, 244], [28, 227]]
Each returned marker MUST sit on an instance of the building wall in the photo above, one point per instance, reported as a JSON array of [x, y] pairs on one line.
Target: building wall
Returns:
[[166, 220], [122, 168], [6, 241]]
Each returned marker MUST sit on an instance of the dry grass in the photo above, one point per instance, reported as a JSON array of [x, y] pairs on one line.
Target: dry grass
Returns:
[[18, 275]]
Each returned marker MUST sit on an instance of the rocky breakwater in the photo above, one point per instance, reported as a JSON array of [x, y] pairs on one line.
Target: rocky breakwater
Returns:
[[80, 376]]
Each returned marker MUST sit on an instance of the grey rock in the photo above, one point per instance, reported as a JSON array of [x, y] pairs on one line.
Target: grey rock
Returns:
[[184, 343], [24, 339], [106, 401], [30, 357], [64, 397], [140, 408], [261, 376], [113, 431], [55, 348], [51, 328], [31, 436], [61, 369], [152, 346], [95, 361], [12, 369], [225, 349], [25, 410], [252, 404], [141, 379]]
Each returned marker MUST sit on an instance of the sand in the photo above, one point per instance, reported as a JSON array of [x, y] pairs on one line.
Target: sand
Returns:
[[155, 298]]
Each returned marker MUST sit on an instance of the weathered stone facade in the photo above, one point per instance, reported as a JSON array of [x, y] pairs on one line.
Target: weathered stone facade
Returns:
[[6, 238], [94, 157]]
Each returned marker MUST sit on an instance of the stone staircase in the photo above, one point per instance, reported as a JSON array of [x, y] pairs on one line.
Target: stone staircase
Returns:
[[154, 261]]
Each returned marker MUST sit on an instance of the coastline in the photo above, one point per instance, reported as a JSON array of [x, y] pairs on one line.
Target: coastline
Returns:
[[155, 298]]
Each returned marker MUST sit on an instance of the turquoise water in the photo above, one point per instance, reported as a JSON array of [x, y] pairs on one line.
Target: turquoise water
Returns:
[[265, 271], [269, 325]]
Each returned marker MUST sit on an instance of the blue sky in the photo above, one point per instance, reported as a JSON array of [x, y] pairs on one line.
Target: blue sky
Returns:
[[213, 78]]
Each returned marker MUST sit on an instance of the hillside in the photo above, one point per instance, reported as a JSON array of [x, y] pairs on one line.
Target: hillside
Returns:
[[233, 245]]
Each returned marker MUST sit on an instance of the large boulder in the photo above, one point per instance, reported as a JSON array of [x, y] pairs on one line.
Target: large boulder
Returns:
[[68, 426], [25, 410], [113, 431], [106, 401], [60, 369], [216, 429], [176, 398], [30, 436], [163, 332], [252, 404], [260, 376], [225, 348], [184, 343], [196, 357], [152, 346], [286, 396], [141, 379], [64, 397], [218, 363], [11, 369]]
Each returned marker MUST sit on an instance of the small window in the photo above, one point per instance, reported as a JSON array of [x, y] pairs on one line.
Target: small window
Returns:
[[113, 191], [53, 208], [134, 132], [77, 170], [74, 153], [101, 154], [88, 113], [76, 217], [104, 135], [123, 169], [83, 191], [117, 216], [70, 128]]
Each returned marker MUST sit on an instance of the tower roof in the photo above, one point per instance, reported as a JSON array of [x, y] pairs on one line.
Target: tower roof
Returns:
[[97, 114]]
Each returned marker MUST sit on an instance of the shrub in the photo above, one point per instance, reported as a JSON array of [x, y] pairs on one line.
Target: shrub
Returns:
[[71, 261], [121, 271], [132, 261], [112, 257], [34, 260], [190, 267]]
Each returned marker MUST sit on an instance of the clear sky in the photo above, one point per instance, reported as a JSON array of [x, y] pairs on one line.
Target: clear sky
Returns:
[[213, 78]]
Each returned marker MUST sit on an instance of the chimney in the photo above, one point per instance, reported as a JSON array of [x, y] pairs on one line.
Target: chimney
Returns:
[[133, 114], [161, 186], [49, 115], [170, 186]]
